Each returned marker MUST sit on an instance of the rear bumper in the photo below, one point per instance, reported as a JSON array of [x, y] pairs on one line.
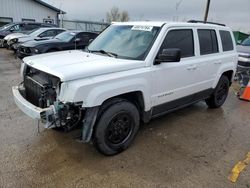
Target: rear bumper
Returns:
[[29, 109]]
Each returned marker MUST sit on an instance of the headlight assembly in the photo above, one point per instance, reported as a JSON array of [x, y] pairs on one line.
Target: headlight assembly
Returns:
[[15, 40], [36, 50]]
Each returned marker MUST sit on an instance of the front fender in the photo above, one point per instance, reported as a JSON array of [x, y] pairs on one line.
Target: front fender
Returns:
[[93, 93]]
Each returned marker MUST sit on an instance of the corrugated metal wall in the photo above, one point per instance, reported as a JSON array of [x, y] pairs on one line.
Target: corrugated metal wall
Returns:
[[26, 9]]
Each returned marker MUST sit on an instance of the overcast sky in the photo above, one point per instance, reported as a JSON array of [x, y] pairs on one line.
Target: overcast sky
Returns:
[[234, 13]]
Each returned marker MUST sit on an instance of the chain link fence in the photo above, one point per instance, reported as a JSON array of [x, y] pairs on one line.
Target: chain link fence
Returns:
[[84, 25]]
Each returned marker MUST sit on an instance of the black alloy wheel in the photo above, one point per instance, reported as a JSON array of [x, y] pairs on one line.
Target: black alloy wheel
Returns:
[[119, 129], [219, 96], [117, 125]]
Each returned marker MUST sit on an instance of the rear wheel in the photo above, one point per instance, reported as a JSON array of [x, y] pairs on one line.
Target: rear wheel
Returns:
[[116, 128], [220, 93]]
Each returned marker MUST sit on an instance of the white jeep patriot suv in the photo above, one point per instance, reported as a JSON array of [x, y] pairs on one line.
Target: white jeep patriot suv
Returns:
[[132, 72]]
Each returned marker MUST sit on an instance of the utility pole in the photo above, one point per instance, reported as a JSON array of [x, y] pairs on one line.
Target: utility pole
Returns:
[[207, 10], [61, 15], [177, 5]]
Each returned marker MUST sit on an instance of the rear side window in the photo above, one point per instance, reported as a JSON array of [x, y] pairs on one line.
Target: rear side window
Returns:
[[226, 40], [59, 31], [182, 39], [49, 33], [208, 41], [29, 27]]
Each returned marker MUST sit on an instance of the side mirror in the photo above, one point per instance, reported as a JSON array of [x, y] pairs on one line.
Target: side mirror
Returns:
[[169, 55], [90, 40], [12, 29], [78, 40]]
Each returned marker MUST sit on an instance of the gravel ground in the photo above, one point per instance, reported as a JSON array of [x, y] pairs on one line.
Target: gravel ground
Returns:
[[193, 147]]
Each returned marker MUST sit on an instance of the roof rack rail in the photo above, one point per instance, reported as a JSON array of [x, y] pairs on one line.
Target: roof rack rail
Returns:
[[197, 21]]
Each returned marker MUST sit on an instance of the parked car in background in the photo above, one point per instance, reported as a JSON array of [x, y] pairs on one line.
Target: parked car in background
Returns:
[[244, 53], [22, 27], [243, 69], [67, 40], [15, 39]]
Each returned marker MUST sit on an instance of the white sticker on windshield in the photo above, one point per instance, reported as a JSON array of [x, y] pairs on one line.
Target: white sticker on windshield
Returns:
[[142, 28]]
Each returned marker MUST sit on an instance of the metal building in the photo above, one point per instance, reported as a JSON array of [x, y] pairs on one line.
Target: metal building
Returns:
[[28, 11]]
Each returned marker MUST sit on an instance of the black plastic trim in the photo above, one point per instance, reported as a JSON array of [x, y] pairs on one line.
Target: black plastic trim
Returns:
[[176, 105]]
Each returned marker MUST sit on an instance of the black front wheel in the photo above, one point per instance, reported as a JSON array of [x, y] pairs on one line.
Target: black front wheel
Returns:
[[219, 96], [116, 128]]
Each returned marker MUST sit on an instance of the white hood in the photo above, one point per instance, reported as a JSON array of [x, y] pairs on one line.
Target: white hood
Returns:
[[76, 64], [14, 35]]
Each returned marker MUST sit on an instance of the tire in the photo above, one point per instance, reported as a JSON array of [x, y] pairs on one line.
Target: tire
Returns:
[[219, 96], [116, 128]]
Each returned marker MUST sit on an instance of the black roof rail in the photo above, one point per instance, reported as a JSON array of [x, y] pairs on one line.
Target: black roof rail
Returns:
[[197, 21]]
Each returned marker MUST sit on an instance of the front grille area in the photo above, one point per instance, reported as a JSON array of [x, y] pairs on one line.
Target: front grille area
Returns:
[[244, 64], [34, 92], [40, 88]]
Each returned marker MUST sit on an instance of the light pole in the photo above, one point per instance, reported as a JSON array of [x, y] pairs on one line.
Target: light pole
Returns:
[[61, 14], [207, 10]]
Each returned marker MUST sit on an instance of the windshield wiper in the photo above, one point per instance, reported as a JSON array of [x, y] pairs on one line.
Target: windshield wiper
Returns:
[[110, 54]]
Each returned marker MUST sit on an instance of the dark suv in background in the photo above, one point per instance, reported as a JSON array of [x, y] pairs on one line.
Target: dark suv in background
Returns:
[[21, 27], [68, 40]]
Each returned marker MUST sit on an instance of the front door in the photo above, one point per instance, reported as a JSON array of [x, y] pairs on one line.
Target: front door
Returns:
[[174, 81]]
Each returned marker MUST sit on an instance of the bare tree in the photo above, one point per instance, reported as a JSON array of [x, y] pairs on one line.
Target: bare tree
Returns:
[[124, 16], [114, 15]]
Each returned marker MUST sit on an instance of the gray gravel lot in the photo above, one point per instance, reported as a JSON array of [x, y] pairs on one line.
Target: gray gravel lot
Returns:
[[193, 147]]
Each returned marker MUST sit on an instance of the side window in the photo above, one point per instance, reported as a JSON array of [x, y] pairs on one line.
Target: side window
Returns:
[[49, 33], [30, 27], [226, 40], [79, 35], [22, 27], [182, 39], [86, 39], [15, 28], [208, 41], [58, 31]]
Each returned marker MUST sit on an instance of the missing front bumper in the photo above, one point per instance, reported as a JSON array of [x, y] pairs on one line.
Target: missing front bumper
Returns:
[[43, 114]]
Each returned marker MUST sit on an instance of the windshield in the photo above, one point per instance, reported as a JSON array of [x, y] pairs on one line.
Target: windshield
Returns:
[[126, 41], [246, 42], [66, 36], [6, 27]]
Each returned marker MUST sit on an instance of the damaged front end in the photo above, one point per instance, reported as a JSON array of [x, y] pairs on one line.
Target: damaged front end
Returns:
[[37, 97]]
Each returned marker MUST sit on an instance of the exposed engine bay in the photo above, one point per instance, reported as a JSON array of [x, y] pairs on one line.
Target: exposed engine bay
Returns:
[[41, 89]]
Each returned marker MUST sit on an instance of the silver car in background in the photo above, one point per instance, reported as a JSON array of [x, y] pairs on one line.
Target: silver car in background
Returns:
[[15, 39], [243, 70]]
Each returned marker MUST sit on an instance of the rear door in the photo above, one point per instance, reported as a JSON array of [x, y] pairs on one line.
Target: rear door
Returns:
[[208, 58]]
